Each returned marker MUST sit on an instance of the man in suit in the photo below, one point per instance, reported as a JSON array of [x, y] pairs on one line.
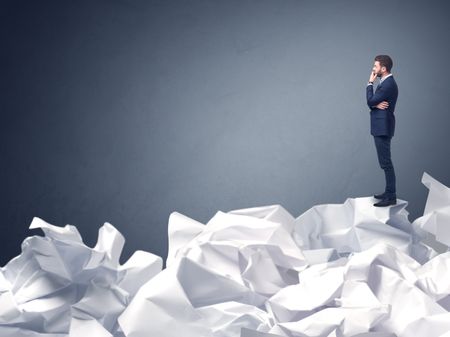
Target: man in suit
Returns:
[[382, 122]]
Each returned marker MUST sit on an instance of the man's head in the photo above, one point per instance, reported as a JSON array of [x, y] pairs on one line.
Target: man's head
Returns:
[[382, 65]]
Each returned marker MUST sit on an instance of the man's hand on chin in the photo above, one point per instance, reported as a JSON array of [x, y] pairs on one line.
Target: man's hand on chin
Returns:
[[372, 77]]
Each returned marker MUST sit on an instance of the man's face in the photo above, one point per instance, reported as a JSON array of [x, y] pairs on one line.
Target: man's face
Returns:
[[377, 69]]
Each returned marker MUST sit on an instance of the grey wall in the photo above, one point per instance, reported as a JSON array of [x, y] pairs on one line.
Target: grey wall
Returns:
[[124, 111]]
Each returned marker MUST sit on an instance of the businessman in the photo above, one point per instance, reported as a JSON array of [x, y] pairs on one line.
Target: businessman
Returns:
[[382, 122]]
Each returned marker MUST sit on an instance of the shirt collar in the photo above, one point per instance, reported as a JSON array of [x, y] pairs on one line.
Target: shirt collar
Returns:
[[382, 79]]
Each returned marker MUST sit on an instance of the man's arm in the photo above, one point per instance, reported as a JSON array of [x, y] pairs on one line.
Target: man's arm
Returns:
[[370, 86], [381, 95], [382, 106]]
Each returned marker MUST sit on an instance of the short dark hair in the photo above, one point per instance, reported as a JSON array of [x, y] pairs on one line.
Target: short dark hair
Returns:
[[385, 61]]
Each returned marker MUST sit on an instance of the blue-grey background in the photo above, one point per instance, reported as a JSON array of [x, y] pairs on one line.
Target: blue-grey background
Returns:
[[124, 111]]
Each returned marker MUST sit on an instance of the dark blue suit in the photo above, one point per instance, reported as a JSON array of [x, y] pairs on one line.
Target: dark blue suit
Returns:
[[382, 127], [382, 122]]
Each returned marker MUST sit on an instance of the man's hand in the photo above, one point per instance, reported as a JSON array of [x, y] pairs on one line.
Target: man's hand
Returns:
[[383, 105], [372, 77]]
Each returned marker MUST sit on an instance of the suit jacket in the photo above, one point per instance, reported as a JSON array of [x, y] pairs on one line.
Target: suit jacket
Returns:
[[382, 122]]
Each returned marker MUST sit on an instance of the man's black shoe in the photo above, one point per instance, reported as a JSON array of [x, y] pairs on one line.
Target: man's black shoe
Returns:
[[386, 202], [379, 196]]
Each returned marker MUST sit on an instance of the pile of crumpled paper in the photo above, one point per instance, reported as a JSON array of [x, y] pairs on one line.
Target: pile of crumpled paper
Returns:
[[336, 270]]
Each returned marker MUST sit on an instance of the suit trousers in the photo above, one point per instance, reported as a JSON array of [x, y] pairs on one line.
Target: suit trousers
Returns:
[[383, 146]]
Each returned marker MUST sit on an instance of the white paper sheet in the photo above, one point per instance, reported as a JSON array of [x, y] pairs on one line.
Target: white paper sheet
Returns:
[[336, 270]]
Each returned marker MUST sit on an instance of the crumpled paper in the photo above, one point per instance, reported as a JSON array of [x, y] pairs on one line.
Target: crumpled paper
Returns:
[[59, 286], [336, 270], [436, 216]]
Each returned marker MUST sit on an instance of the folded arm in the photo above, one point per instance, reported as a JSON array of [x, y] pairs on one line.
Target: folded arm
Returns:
[[381, 95]]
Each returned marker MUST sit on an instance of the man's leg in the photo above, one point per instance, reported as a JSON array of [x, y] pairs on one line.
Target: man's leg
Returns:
[[383, 146]]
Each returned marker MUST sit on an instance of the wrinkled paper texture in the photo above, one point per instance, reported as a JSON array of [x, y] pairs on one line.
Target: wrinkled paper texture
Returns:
[[336, 270]]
